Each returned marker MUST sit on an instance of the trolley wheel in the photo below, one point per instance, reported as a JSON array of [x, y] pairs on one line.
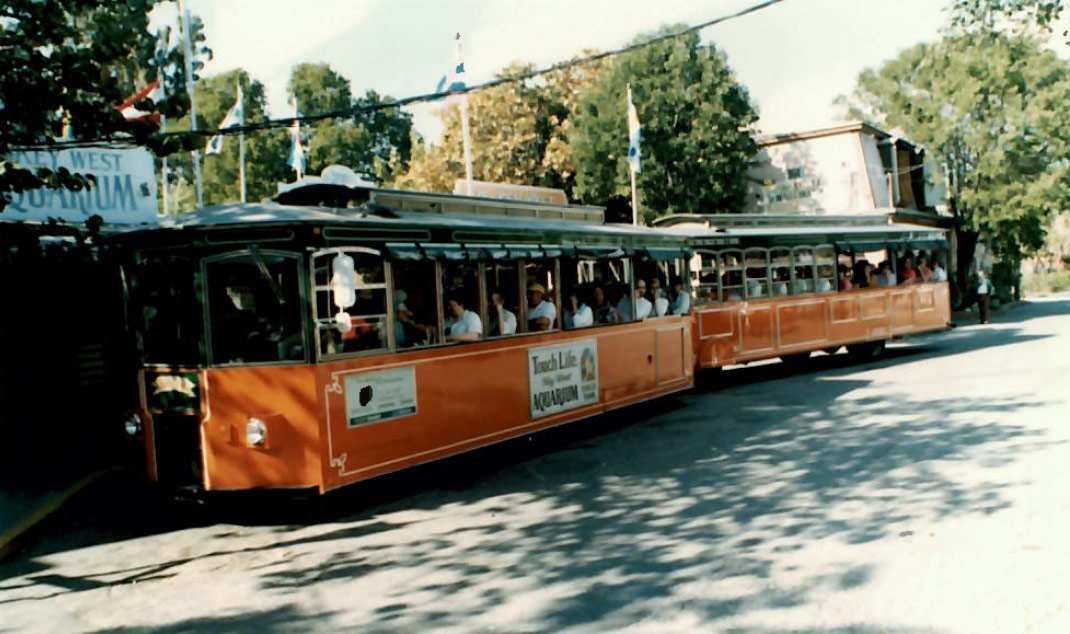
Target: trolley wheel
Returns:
[[868, 350], [832, 349], [794, 360]]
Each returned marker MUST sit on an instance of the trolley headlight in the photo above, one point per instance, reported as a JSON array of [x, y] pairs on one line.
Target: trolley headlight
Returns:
[[132, 425], [255, 432]]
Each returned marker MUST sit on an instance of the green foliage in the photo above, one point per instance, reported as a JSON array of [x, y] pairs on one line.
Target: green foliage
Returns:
[[265, 151], [696, 147], [76, 60], [374, 142], [518, 131], [1019, 15], [994, 111], [1046, 283]]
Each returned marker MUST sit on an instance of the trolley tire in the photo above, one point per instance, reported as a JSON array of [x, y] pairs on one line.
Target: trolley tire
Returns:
[[867, 351], [795, 360]]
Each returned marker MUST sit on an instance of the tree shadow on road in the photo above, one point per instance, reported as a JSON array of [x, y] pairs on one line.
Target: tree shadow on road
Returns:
[[691, 506]]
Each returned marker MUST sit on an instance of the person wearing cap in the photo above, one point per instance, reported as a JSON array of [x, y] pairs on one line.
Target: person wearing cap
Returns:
[[465, 325], [541, 313]]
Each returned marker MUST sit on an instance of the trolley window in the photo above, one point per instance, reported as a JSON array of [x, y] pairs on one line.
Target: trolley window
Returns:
[[254, 307], [802, 280], [166, 310], [707, 284], [826, 268], [350, 301], [541, 312], [503, 298], [780, 270], [756, 273], [731, 276]]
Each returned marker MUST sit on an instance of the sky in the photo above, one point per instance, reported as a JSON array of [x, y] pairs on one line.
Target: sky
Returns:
[[795, 57]]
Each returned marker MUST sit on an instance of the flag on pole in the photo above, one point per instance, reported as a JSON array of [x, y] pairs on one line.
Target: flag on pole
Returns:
[[153, 92], [635, 134], [454, 80], [235, 117], [297, 152]]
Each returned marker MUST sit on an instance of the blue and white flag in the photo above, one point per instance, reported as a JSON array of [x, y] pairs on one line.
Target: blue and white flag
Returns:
[[454, 80], [235, 118], [297, 151], [635, 134]]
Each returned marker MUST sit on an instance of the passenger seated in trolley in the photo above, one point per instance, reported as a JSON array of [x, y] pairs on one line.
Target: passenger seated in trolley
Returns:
[[681, 303], [642, 305], [541, 313], [502, 320], [781, 276], [465, 325], [604, 313], [656, 290], [577, 313]]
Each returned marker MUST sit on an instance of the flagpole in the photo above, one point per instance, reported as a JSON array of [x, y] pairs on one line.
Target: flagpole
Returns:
[[163, 129], [241, 143], [187, 45], [631, 168], [467, 144], [295, 143], [635, 209]]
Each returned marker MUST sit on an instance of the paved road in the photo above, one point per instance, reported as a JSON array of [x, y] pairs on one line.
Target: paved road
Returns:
[[925, 492]]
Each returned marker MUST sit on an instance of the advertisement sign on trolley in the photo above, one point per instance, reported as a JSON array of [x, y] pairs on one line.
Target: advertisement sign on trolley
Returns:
[[377, 396], [563, 377]]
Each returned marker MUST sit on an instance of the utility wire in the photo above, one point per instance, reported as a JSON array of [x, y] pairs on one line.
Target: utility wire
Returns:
[[345, 113]]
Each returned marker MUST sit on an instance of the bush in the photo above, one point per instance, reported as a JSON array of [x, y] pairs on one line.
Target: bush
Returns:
[[1046, 283]]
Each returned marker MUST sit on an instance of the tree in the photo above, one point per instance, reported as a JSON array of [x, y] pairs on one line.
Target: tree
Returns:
[[994, 111], [365, 141], [696, 147], [74, 61], [265, 150], [989, 15], [519, 134]]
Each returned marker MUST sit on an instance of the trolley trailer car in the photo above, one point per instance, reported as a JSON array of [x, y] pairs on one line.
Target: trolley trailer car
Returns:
[[769, 288], [298, 346]]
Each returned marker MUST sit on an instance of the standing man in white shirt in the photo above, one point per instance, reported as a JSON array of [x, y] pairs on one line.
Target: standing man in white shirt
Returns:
[[541, 313], [465, 325]]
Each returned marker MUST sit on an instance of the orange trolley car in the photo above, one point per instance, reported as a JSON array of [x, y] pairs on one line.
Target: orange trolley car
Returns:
[[771, 286], [293, 346], [288, 345]]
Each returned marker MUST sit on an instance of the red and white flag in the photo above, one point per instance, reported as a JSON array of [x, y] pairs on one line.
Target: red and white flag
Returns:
[[153, 91]]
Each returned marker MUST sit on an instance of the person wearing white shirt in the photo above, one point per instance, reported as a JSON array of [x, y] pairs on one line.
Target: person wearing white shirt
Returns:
[[541, 313], [465, 325], [502, 320], [681, 304], [643, 307], [580, 315], [939, 274]]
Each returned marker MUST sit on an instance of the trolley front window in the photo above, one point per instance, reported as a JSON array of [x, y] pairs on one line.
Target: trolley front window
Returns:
[[165, 310], [255, 308]]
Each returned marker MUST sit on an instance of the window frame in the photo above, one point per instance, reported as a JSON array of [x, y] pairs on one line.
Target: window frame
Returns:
[[747, 279], [387, 285], [303, 299]]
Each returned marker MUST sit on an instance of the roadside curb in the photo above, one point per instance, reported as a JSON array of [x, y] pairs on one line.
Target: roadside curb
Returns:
[[49, 505]]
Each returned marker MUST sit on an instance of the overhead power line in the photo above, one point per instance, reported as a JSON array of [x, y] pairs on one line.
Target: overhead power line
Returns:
[[346, 113]]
